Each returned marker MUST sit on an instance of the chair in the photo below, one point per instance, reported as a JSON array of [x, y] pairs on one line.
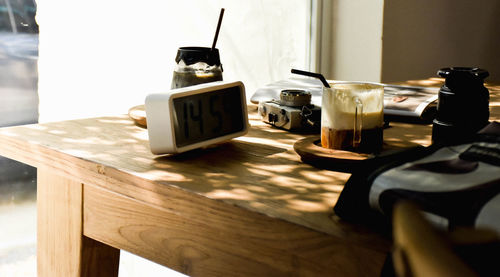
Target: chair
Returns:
[[421, 251]]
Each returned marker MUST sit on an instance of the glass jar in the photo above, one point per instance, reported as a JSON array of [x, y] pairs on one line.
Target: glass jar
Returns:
[[196, 65]]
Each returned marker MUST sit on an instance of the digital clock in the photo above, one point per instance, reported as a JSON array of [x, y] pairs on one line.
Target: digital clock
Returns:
[[187, 118]]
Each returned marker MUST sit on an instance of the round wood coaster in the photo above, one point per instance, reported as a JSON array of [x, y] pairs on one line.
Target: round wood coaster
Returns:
[[138, 115], [311, 152]]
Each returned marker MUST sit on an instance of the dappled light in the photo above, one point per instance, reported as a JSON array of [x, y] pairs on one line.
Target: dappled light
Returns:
[[408, 135], [259, 172], [494, 102], [431, 82]]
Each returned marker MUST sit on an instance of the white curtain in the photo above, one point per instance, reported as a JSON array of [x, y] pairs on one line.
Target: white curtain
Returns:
[[101, 57]]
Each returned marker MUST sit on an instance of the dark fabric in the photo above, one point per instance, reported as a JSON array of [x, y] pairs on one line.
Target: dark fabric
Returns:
[[353, 201], [459, 207]]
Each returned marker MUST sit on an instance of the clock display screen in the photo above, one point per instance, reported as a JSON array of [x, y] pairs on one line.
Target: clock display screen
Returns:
[[207, 115]]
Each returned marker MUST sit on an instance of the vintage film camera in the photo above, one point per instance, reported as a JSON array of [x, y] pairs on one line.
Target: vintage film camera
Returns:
[[293, 111]]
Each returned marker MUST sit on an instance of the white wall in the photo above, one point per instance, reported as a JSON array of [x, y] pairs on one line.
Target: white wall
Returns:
[[100, 57], [356, 40], [396, 40], [421, 36]]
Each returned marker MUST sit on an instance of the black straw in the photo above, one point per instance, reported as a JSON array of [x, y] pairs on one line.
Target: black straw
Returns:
[[312, 74], [218, 28]]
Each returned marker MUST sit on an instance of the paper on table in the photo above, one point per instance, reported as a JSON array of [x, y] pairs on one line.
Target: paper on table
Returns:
[[403, 101]]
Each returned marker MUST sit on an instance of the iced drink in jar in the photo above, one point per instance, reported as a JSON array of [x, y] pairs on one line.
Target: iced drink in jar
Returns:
[[196, 65]]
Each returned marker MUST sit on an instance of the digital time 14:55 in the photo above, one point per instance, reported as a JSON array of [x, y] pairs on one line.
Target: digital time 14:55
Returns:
[[207, 115]]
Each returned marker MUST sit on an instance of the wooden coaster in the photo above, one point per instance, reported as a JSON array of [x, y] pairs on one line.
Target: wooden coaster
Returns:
[[311, 152], [138, 114]]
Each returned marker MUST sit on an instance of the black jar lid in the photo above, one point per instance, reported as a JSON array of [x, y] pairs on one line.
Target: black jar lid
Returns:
[[192, 55], [463, 78], [463, 71]]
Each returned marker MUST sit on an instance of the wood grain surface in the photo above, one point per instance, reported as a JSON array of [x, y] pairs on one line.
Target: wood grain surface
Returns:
[[138, 115], [311, 152], [61, 249], [214, 245], [62, 216], [246, 203]]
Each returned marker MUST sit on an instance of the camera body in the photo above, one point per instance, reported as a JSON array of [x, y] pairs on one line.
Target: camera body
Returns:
[[293, 111]]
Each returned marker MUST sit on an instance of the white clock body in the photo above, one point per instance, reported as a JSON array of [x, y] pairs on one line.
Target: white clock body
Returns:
[[192, 117]]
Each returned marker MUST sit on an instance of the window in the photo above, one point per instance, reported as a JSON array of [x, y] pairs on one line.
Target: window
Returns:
[[18, 16], [107, 59], [18, 105], [107, 56]]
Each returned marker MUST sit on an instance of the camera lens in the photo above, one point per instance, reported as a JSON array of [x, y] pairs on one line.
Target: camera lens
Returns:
[[295, 97], [462, 108]]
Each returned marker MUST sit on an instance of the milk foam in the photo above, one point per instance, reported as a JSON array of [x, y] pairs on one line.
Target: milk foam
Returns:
[[338, 107]]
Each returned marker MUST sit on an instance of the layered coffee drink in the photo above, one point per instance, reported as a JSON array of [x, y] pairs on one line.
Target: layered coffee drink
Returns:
[[370, 139], [352, 117]]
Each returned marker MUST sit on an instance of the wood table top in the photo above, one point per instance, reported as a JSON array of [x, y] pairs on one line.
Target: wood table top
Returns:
[[259, 172]]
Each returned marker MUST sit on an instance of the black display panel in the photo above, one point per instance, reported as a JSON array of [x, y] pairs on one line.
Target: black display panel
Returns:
[[208, 115]]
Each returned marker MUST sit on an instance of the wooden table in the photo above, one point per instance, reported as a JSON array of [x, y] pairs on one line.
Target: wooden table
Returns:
[[246, 207]]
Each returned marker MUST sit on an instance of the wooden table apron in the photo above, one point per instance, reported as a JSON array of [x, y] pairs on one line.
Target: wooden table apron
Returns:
[[246, 207]]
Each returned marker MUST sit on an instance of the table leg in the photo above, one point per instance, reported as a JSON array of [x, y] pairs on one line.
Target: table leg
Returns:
[[62, 249]]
